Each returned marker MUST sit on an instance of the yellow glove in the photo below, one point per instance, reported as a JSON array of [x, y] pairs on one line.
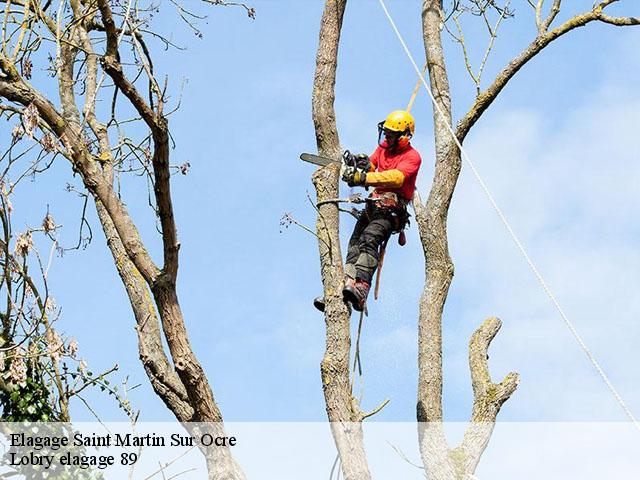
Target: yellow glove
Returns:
[[354, 176]]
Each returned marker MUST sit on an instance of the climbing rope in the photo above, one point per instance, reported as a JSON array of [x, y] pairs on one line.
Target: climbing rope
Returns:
[[357, 362], [513, 235]]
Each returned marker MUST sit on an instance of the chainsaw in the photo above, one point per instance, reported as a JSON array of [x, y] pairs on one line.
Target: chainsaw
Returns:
[[360, 161]]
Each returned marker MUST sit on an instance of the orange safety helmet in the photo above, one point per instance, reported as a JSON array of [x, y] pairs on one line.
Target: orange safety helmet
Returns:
[[399, 121]]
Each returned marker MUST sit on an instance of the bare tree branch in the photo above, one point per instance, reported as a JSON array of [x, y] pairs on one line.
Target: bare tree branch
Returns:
[[79, 36], [486, 98], [555, 9], [440, 461]]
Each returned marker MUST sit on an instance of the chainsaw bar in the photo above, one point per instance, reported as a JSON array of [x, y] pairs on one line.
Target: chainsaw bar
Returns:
[[318, 160]]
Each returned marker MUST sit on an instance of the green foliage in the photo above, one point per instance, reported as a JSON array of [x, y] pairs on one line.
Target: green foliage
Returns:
[[28, 403]]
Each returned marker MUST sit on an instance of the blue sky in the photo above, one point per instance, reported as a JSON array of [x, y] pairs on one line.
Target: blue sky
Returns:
[[558, 150]]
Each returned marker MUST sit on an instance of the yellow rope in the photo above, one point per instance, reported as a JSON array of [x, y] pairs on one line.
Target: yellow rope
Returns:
[[416, 89]]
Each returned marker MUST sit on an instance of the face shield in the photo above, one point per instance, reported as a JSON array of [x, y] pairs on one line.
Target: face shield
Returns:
[[387, 138]]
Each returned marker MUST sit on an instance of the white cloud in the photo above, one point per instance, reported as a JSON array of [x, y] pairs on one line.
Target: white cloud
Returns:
[[571, 195]]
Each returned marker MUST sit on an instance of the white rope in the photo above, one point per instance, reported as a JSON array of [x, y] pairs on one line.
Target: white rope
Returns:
[[515, 238]]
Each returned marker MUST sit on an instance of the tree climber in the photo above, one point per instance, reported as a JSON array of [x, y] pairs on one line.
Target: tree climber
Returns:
[[392, 171]]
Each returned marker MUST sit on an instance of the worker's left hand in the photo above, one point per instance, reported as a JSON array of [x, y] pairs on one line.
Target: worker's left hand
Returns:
[[354, 176]]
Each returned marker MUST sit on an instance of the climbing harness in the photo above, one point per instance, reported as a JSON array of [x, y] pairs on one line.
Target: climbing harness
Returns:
[[514, 237], [393, 206], [383, 201]]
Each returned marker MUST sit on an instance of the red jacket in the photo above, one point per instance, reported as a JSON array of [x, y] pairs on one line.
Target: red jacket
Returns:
[[394, 171]]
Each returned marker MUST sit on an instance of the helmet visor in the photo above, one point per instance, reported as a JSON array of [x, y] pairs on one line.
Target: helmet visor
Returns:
[[387, 138]]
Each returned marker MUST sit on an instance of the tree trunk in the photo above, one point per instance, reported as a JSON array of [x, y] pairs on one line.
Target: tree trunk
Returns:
[[432, 226], [441, 462], [162, 376], [342, 408]]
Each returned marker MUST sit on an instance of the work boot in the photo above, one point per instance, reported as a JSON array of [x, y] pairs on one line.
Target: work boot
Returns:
[[355, 292], [318, 302]]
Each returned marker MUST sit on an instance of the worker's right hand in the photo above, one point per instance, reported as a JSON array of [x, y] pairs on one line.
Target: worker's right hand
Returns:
[[353, 176]]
